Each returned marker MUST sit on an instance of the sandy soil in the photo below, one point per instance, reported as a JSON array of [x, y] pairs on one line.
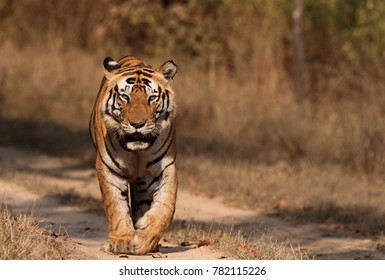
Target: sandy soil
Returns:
[[29, 175]]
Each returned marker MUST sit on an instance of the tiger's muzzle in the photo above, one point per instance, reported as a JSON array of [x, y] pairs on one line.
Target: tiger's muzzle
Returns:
[[137, 140], [139, 137]]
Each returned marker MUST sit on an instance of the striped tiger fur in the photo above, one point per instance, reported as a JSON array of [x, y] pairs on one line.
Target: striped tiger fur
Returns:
[[133, 129]]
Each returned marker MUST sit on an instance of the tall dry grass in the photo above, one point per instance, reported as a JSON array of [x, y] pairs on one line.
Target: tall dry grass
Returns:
[[246, 121], [235, 92], [218, 114], [46, 83], [21, 238]]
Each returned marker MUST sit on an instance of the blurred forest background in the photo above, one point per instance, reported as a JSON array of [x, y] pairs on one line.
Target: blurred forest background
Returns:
[[239, 116]]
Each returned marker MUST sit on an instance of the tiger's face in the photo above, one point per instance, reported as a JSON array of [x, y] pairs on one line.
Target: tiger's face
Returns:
[[139, 104]]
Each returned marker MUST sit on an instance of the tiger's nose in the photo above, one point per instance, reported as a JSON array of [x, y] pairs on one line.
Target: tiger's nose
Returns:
[[138, 124]]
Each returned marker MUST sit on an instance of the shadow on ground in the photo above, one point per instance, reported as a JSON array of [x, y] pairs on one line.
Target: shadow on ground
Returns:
[[48, 137], [358, 219], [60, 140]]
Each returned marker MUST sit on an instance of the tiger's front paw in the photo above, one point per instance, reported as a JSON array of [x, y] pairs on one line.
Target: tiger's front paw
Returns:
[[143, 243], [117, 246]]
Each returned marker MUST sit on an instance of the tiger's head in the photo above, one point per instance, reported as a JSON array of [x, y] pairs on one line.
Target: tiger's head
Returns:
[[139, 102]]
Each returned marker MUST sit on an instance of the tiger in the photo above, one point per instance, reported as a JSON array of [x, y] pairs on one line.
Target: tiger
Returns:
[[132, 126]]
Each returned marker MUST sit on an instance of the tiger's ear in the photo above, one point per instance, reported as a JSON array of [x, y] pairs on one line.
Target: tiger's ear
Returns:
[[168, 70], [111, 67]]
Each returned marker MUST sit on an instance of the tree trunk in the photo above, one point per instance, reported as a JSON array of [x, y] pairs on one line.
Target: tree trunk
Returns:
[[298, 50]]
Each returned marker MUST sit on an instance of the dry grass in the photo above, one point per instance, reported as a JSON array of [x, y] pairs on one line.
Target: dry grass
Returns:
[[21, 238], [233, 243], [48, 84], [265, 248]]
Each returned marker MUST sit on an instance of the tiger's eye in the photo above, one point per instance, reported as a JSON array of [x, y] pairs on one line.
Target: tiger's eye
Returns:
[[151, 98], [124, 97]]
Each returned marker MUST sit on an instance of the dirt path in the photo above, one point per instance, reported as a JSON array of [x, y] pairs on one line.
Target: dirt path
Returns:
[[27, 177]]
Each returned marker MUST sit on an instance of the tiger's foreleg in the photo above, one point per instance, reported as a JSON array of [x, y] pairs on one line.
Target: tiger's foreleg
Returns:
[[151, 227], [117, 207]]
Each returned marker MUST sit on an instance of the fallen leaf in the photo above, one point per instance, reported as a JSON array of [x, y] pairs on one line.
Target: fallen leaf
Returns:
[[205, 242]]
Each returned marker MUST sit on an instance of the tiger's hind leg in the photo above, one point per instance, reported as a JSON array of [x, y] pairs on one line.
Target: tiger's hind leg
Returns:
[[150, 227], [117, 208]]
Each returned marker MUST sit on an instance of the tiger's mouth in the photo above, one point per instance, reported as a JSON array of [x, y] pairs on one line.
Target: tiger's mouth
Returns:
[[139, 137]]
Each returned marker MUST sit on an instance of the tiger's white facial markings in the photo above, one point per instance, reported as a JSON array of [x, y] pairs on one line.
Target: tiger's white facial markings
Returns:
[[140, 107], [112, 63]]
